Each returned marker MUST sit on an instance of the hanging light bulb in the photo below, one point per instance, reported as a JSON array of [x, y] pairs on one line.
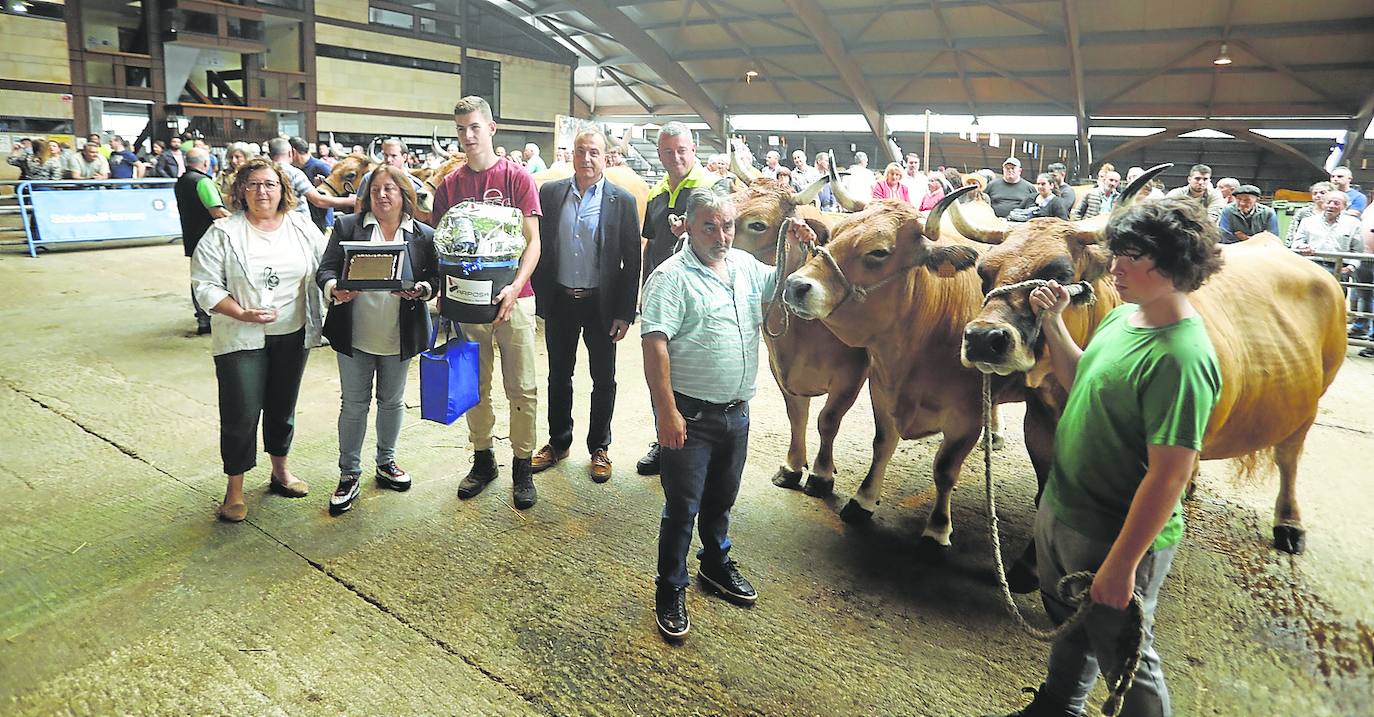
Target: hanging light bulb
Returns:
[[1223, 58]]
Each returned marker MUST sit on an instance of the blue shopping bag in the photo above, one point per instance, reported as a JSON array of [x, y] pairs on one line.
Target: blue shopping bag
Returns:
[[448, 375]]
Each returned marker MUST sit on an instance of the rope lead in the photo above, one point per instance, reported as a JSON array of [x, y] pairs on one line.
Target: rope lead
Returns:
[[1073, 589]]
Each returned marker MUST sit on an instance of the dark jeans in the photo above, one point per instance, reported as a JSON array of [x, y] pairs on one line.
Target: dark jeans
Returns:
[[1361, 298], [700, 482], [566, 320], [259, 382]]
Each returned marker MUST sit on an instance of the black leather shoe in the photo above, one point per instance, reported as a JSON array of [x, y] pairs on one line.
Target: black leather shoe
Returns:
[[483, 472], [726, 581], [1366, 352], [522, 484], [670, 611], [1039, 708], [648, 465]]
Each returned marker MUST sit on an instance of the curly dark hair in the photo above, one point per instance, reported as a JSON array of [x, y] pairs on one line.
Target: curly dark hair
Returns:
[[1175, 233]]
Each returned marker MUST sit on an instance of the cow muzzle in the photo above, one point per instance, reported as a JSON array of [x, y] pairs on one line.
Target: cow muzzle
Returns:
[[995, 348], [806, 297]]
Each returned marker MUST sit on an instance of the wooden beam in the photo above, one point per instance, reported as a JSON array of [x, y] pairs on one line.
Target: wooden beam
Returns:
[[1288, 72], [1283, 149], [1017, 14], [1140, 143], [958, 59], [637, 41], [1020, 81], [815, 20], [1161, 70], [1354, 133], [589, 55], [1080, 105], [758, 62]]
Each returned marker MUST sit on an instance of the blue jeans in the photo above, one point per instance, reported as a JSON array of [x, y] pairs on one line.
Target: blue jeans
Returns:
[[356, 374], [700, 482], [1361, 298], [1061, 550]]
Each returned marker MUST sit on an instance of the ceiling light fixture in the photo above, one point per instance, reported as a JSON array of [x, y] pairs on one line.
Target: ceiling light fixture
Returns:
[[749, 76], [1223, 58]]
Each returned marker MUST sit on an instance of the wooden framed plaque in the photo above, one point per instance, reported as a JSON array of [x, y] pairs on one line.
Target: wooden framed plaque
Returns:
[[375, 266]]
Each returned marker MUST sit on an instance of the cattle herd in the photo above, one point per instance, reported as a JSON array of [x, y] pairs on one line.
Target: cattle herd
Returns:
[[895, 299]]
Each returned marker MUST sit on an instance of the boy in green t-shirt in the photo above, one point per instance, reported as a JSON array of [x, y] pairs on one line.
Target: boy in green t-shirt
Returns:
[[1140, 397]]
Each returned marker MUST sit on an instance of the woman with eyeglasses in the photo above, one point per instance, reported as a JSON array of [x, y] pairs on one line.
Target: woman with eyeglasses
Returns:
[[255, 270], [377, 333]]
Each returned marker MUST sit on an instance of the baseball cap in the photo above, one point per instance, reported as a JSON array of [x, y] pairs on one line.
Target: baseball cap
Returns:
[[1012, 161]]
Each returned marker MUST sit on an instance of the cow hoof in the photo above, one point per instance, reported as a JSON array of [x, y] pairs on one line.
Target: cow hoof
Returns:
[[998, 442], [1022, 578], [787, 479], [1290, 539], [819, 487], [854, 513], [929, 550]]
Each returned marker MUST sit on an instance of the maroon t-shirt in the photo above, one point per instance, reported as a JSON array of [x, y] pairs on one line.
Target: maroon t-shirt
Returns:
[[501, 183]]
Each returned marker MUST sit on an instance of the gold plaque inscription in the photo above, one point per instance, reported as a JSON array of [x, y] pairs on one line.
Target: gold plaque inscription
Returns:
[[373, 267]]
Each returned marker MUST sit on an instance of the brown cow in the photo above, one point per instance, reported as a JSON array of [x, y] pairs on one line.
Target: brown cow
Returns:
[[346, 175], [889, 284], [806, 359], [1277, 322]]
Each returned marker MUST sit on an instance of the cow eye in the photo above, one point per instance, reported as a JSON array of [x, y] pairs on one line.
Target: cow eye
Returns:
[[757, 226], [879, 254]]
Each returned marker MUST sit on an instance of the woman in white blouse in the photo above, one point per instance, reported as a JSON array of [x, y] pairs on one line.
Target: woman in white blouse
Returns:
[[256, 270], [377, 333]]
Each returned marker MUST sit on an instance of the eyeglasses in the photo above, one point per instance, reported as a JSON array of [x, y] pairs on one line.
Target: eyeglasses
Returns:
[[259, 186]]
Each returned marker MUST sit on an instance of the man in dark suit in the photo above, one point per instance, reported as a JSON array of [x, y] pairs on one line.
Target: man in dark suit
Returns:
[[586, 285]]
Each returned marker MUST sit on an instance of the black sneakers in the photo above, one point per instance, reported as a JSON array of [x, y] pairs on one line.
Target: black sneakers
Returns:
[[670, 611], [726, 581], [648, 465], [522, 484], [393, 476], [347, 492], [1039, 707], [483, 472]]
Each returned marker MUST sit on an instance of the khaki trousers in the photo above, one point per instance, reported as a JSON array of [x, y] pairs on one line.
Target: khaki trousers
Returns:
[[515, 341]]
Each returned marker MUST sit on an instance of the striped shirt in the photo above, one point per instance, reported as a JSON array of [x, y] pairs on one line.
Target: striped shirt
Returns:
[[712, 325]]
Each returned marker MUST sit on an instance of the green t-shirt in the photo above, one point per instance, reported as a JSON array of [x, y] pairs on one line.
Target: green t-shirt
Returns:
[[1134, 387], [208, 193]]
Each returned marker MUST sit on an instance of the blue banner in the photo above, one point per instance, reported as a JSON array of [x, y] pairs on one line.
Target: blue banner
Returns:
[[95, 214]]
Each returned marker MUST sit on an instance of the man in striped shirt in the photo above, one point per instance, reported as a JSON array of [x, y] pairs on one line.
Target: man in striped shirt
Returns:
[[699, 324]]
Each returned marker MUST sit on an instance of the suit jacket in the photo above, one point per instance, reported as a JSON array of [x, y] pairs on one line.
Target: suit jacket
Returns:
[[414, 318], [618, 252]]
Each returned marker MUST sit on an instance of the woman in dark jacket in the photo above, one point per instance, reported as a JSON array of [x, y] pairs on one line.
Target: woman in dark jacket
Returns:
[[376, 333]]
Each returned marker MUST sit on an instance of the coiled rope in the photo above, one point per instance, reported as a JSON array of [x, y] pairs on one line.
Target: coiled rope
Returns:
[[1073, 589]]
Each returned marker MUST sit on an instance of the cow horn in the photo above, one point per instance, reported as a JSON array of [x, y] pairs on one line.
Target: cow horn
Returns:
[[746, 174], [434, 140], [842, 197], [932, 226], [1129, 195], [985, 234], [372, 151], [809, 194]]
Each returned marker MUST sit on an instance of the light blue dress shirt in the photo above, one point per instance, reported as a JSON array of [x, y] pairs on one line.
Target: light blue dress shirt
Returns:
[[577, 227]]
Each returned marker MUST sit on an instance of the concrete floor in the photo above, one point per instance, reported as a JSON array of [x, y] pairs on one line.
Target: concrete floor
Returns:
[[120, 593]]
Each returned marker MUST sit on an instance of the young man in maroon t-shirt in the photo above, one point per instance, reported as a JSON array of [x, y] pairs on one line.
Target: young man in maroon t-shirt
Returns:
[[487, 177]]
